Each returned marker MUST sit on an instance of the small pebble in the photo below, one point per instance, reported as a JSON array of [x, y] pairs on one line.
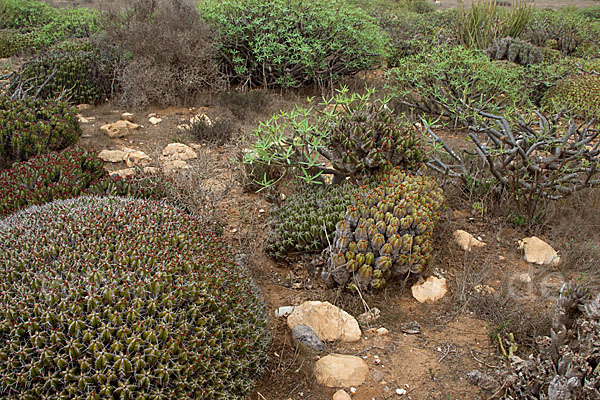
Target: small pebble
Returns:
[[400, 392], [353, 390]]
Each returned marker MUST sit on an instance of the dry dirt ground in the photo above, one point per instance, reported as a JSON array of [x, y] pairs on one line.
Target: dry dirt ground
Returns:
[[430, 365]]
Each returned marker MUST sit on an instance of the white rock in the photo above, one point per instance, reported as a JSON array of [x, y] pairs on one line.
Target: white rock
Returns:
[[382, 331], [466, 241], [151, 115], [431, 290], [184, 127], [137, 158], [151, 170], [329, 322], [123, 173], [154, 120], [179, 151], [127, 116], [539, 252], [84, 120], [341, 395], [119, 129], [524, 277], [400, 392], [201, 118], [284, 311], [112, 156], [338, 370]]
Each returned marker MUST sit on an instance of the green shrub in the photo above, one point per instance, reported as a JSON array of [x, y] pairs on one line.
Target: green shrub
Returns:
[[579, 94], [454, 81], [15, 14], [14, 42], [486, 21], [386, 232], [30, 127], [121, 299], [356, 134], [70, 173], [307, 219], [590, 12], [78, 76], [290, 43]]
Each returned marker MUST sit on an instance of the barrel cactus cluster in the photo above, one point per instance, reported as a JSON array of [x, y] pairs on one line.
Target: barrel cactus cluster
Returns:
[[579, 94], [68, 174], [368, 138], [307, 219], [115, 298], [515, 50], [80, 75], [30, 127], [386, 232]]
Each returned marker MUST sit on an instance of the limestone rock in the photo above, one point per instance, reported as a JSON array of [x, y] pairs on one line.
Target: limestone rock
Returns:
[[329, 322], [341, 395], [84, 107], [136, 158], [339, 370], [155, 120], [201, 118], [175, 166], [284, 311], [123, 173], [119, 129], [127, 116], [431, 290], [179, 151], [112, 156], [466, 241], [539, 252], [306, 339], [85, 120]]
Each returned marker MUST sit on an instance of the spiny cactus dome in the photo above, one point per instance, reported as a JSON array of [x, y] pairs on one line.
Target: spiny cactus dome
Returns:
[[579, 93], [515, 50], [387, 231], [306, 219], [116, 298]]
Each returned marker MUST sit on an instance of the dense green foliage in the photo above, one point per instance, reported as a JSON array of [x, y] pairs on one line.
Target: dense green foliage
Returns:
[[307, 219], [79, 76], [454, 81], [579, 94], [70, 173], [290, 43], [387, 231], [30, 127], [124, 299], [29, 26], [358, 134]]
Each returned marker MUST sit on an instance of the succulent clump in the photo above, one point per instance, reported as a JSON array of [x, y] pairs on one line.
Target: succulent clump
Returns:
[[515, 50], [307, 219], [30, 127], [579, 94], [108, 297], [78, 74], [70, 173], [387, 231]]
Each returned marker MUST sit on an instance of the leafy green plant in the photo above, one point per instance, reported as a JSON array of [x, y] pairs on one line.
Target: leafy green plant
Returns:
[[30, 127], [454, 82], [108, 297], [307, 219], [70, 173], [579, 94], [386, 232], [356, 134], [486, 21], [16, 14], [291, 43]]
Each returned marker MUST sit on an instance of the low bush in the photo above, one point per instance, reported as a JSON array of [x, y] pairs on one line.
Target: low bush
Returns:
[[107, 297], [217, 132], [358, 135], [76, 76], [30, 127], [579, 94], [70, 173], [306, 221], [281, 43], [16, 14], [167, 54], [453, 81], [244, 104], [386, 232]]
